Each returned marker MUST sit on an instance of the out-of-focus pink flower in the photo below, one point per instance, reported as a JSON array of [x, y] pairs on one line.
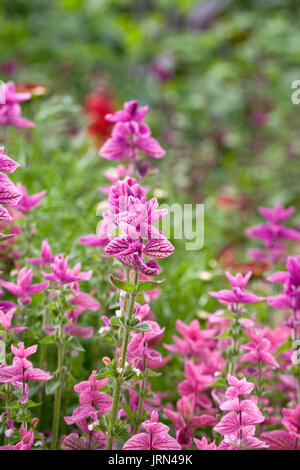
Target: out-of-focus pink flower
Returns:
[[238, 295], [24, 289], [131, 112], [6, 321], [46, 256], [62, 274], [194, 341], [272, 234], [156, 437], [10, 111], [28, 203], [186, 421], [259, 348]]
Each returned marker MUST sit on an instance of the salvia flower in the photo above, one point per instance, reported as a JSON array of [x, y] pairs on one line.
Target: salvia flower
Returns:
[[26, 442], [46, 256], [62, 274], [238, 295], [9, 193], [10, 111], [272, 234], [186, 421], [238, 425], [156, 437], [129, 136], [24, 289], [28, 203]]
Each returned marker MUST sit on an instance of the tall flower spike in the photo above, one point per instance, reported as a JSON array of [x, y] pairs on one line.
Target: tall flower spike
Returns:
[[9, 193]]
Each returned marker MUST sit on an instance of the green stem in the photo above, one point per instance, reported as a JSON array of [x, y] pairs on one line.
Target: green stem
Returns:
[[58, 393], [141, 400], [119, 380]]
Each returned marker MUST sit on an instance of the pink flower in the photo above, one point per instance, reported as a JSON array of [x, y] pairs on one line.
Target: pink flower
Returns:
[[61, 274], [259, 349], [156, 437], [10, 112], [291, 420], [195, 341], [272, 234], [142, 238], [96, 441], [129, 136], [280, 440], [197, 380], [90, 398], [277, 215], [23, 288], [238, 280], [26, 442], [6, 321], [140, 348], [9, 194], [126, 141], [238, 387], [27, 203], [237, 426], [131, 112], [204, 445], [46, 256], [186, 422], [22, 370], [238, 295]]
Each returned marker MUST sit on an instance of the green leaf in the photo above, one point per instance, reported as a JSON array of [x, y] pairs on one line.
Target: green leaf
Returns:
[[149, 285], [143, 327], [51, 387], [126, 286], [115, 321], [76, 345], [48, 340]]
